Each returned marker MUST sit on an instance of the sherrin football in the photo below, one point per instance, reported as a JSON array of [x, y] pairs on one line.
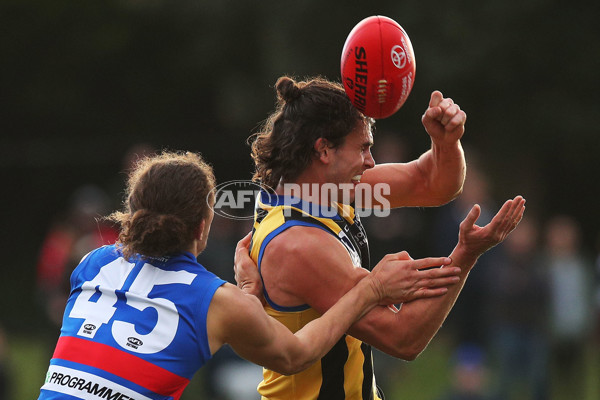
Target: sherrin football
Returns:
[[378, 66]]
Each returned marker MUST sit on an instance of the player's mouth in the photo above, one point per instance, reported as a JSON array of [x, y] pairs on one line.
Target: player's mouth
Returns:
[[356, 179]]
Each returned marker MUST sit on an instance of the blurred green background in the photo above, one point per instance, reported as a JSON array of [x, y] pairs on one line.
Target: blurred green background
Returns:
[[84, 83]]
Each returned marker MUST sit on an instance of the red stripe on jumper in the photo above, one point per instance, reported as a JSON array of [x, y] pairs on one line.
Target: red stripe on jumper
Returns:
[[122, 364]]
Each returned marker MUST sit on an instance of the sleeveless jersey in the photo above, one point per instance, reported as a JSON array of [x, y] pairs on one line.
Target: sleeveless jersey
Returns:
[[132, 329], [346, 371]]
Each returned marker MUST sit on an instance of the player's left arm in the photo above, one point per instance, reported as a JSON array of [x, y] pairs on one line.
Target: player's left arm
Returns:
[[437, 176]]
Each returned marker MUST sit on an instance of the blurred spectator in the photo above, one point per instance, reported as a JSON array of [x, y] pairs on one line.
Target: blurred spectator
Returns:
[[466, 322], [74, 232], [115, 186], [571, 280], [72, 235], [220, 248], [470, 374], [518, 308]]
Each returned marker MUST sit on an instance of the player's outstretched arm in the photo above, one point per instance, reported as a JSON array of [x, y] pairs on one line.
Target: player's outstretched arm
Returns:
[[418, 322]]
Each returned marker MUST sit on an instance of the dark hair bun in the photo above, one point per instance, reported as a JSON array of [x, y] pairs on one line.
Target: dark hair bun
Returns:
[[159, 234], [287, 89]]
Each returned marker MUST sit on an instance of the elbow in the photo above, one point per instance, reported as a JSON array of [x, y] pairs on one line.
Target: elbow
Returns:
[[437, 193], [456, 193], [411, 355], [459, 185], [293, 368], [406, 355], [407, 352], [290, 366], [454, 189], [451, 187], [449, 195]]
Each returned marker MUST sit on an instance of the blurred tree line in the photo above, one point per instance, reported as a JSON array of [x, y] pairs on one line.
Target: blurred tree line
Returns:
[[81, 82]]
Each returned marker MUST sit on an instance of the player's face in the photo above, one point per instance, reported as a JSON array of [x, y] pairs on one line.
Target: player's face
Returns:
[[351, 160]]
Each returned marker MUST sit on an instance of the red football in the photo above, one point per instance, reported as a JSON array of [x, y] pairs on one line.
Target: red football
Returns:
[[378, 66]]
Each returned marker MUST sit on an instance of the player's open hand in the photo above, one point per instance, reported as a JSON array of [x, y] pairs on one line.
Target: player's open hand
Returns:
[[400, 279], [246, 271], [443, 120], [475, 240]]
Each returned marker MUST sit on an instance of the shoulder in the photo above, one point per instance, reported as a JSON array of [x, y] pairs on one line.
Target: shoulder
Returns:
[[308, 266], [94, 260], [305, 242], [103, 253]]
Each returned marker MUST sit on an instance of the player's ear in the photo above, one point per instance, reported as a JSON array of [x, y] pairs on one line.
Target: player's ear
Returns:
[[322, 149], [200, 232]]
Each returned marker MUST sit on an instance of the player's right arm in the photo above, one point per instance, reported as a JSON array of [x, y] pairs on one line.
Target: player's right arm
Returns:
[[407, 333]]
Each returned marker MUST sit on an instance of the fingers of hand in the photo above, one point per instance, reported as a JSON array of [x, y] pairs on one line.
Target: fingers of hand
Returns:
[[401, 256], [240, 254], [432, 283], [448, 109], [447, 114], [431, 262], [471, 218], [245, 241], [432, 292], [440, 277], [507, 219], [440, 272], [437, 283], [436, 98], [512, 211], [457, 121], [517, 210], [432, 114]]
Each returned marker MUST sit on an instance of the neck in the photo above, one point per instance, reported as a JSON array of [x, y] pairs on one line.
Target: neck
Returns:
[[312, 192], [196, 248]]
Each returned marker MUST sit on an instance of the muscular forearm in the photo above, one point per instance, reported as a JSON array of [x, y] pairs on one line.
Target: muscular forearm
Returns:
[[267, 342], [419, 321], [444, 169], [425, 317], [444, 121], [407, 333]]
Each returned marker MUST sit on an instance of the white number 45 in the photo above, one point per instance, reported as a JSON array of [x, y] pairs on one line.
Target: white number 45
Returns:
[[96, 305]]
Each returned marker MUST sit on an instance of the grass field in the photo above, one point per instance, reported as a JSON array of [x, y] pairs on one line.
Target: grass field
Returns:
[[426, 378], [28, 361]]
